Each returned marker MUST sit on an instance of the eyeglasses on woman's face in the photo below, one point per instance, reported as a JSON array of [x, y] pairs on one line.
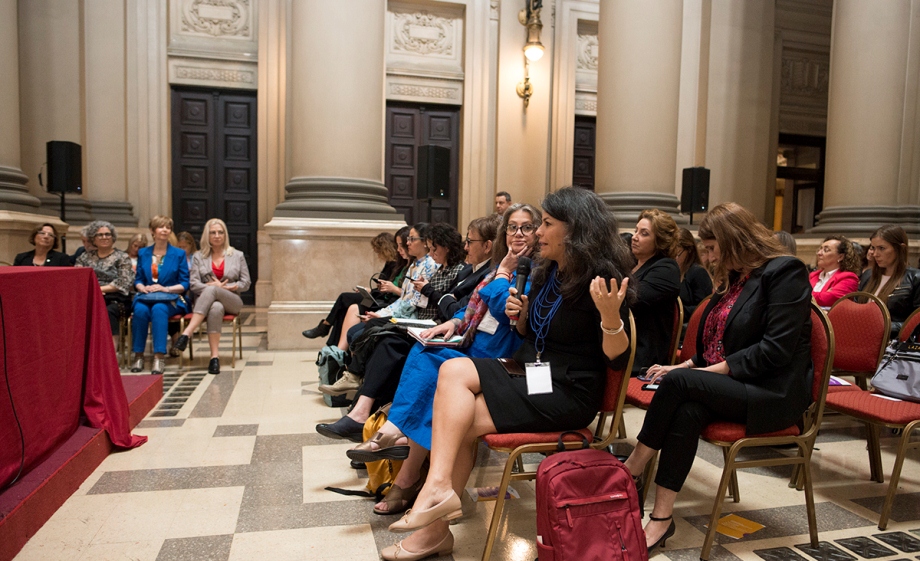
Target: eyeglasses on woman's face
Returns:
[[415, 239], [525, 229], [470, 241], [103, 235]]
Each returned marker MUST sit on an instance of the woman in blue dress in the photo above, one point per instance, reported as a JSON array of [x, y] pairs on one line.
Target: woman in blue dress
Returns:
[[487, 334]]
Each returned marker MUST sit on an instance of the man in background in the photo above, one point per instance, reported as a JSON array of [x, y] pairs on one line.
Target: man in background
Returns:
[[502, 201]]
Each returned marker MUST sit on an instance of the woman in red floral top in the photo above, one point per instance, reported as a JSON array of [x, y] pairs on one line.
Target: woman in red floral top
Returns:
[[753, 360]]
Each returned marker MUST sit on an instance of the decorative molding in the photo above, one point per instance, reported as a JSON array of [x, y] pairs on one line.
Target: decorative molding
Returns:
[[223, 74], [217, 18], [423, 33], [804, 76], [495, 6], [415, 88], [585, 103], [587, 53], [215, 75]]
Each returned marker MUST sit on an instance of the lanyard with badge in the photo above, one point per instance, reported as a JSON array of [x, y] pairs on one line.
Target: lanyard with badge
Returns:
[[542, 311]]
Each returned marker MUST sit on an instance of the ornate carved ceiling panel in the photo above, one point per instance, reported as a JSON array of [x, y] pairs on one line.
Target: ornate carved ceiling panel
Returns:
[[804, 27]]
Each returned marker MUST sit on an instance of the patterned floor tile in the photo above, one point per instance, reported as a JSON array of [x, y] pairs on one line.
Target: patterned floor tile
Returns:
[[906, 506], [779, 554], [900, 541], [787, 521], [236, 430], [826, 551], [865, 547], [205, 548]]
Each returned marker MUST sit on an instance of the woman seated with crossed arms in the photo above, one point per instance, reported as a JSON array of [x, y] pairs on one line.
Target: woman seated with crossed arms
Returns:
[[573, 327], [219, 274], [752, 363]]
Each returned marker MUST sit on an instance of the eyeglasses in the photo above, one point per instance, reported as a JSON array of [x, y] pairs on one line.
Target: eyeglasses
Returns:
[[525, 229], [103, 235], [468, 241], [414, 239]]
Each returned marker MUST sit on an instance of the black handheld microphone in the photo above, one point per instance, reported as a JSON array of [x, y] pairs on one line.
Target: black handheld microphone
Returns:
[[523, 271]]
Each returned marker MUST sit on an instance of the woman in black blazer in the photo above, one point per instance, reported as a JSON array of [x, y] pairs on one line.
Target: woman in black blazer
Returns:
[[695, 283], [889, 278], [753, 360], [656, 276], [45, 239]]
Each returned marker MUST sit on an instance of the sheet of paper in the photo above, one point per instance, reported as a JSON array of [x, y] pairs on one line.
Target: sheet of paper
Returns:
[[736, 527]]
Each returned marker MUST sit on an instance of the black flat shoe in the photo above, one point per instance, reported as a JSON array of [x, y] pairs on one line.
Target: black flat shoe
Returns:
[[320, 330], [667, 533], [214, 366], [181, 343], [345, 428]]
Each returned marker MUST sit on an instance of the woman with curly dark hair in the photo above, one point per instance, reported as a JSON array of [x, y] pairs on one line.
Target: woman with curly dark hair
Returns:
[[571, 322], [838, 265]]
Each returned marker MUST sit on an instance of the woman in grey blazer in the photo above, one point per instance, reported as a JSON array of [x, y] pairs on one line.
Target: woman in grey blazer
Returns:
[[218, 275]]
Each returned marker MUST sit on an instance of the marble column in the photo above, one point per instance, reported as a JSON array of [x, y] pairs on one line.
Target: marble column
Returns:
[[13, 192], [638, 87], [335, 199], [17, 206], [872, 137]]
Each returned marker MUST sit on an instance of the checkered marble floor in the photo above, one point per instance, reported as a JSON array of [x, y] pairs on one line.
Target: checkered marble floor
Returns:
[[234, 470]]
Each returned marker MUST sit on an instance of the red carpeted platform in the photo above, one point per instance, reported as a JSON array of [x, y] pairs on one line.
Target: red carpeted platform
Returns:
[[31, 501]]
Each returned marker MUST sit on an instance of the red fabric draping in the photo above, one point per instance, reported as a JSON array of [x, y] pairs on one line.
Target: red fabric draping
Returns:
[[58, 364]]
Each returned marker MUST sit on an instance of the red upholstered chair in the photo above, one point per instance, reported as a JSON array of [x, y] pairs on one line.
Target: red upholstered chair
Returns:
[[876, 411], [912, 321], [731, 436], [517, 444], [637, 397], [861, 329], [236, 336]]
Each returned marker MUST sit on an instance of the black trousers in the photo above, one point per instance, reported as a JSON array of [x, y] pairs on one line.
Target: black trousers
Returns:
[[384, 369], [337, 314], [686, 401], [115, 304]]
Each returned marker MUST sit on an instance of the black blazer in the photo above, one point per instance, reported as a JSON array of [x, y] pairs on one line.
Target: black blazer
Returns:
[[658, 286], [768, 343], [54, 259], [903, 300], [697, 284], [460, 295]]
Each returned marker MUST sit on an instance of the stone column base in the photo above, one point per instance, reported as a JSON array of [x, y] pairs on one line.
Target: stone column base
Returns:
[[14, 196], [627, 206], [859, 222], [15, 228], [313, 260]]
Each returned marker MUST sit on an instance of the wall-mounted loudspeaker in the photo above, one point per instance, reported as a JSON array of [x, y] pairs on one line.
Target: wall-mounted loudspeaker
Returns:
[[694, 196], [433, 180], [65, 167]]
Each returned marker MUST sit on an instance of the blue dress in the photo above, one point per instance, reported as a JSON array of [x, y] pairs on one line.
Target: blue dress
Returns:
[[412, 407]]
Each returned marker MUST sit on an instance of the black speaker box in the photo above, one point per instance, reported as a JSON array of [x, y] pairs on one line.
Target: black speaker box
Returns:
[[694, 195], [433, 180], [65, 167]]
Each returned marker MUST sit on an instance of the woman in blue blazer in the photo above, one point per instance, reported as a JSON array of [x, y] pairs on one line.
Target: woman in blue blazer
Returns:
[[161, 280]]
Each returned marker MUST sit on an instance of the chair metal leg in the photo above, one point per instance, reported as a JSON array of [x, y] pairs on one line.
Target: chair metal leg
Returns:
[[876, 472], [727, 473], [239, 335], [233, 327], [499, 506], [903, 446], [733, 485], [621, 430], [810, 500]]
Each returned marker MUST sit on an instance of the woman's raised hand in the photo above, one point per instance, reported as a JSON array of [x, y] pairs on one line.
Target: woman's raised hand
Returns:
[[510, 260], [608, 302], [446, 329]]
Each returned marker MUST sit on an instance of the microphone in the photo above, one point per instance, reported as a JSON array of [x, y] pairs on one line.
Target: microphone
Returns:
[[523, 271]]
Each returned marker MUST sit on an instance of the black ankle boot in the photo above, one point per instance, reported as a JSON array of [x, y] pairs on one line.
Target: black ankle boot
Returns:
[[320, 330]]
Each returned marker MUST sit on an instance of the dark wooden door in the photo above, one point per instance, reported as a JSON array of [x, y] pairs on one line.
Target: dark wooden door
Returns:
[[410, 125], [214, 166], [585, 136]]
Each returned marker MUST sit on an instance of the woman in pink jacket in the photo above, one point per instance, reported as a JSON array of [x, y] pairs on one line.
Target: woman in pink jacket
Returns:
[[838, 265]]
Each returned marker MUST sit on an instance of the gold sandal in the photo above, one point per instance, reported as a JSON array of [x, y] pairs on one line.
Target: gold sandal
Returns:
[[386, 449]]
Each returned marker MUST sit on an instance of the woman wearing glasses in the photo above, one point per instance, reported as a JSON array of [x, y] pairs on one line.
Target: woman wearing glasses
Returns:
[[45, 240], [113, 269]]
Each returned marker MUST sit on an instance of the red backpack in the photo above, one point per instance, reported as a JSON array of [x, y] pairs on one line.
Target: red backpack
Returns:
[[587, 508]]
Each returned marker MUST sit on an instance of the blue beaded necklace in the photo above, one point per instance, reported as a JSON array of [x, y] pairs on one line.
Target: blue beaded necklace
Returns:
[[543, 310]]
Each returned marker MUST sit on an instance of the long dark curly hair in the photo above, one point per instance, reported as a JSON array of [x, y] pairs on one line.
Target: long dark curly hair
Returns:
[[447, 236], [592, 243]]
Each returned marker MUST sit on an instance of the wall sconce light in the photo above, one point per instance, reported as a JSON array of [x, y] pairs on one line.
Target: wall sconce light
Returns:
[[533, 49]]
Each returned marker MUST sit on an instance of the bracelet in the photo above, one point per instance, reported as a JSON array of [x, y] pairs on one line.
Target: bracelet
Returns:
[[506, 275], [688, 363], [612, 331]]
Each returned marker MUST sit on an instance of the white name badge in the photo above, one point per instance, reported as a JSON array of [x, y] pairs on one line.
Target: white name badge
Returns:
[[539, 378]]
